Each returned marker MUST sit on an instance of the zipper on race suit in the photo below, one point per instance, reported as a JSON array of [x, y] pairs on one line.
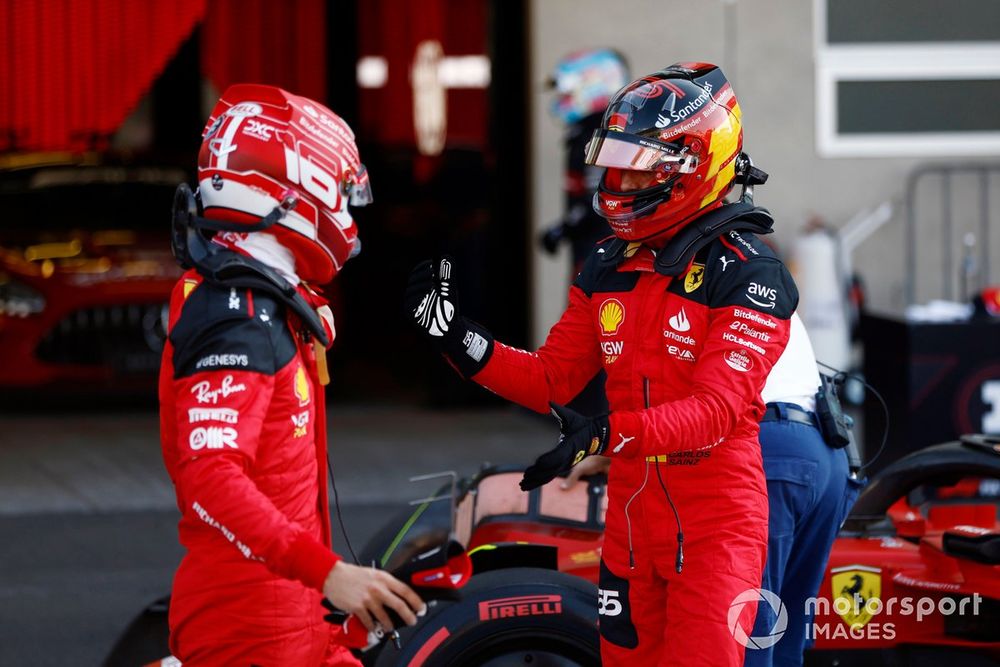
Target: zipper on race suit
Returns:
[[679, 558]]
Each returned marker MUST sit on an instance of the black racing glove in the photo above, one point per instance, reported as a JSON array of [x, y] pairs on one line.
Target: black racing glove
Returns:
[[579, 438], [431, 304]]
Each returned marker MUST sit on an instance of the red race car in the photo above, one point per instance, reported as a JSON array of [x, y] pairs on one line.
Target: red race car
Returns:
[[913, 578], [85, 273]]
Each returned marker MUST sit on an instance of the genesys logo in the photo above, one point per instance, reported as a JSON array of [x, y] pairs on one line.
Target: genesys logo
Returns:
[[738, 360], [224, 415], [762, 295], [523, 605], [217, 360], [611, 316], [213, 437]]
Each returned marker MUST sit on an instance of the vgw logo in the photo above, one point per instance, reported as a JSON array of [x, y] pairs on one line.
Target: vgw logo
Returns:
[[760, 596]]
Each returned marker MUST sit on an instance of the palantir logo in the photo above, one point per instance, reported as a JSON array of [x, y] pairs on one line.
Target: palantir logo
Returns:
[[758, 595]]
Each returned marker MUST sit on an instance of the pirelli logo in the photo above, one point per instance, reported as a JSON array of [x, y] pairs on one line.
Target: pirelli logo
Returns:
[[524, 605]]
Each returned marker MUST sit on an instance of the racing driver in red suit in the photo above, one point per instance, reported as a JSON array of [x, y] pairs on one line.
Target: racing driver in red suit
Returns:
[[686, 311], [241, 397]]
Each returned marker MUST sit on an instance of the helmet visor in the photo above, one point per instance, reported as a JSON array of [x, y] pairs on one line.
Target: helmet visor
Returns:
[[358, 188], [629, 151]]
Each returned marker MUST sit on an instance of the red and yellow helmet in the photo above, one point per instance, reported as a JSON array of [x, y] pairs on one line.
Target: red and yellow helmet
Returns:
[[669, 142]]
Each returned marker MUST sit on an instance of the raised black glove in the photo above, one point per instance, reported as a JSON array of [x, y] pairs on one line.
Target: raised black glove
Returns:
[[579, 438], [431, 304]]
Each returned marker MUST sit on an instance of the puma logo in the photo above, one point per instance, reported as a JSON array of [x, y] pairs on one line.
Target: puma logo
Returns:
[[725, 262], [624, 442]]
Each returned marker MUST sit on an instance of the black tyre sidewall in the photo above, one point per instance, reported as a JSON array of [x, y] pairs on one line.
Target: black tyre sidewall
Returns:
[[573, 628]]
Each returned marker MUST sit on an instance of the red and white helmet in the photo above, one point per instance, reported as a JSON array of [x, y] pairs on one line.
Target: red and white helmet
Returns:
[[679, 132], [265, 150]]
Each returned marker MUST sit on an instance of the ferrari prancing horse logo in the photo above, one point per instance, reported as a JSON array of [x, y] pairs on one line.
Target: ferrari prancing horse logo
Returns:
[[694, 278], [852, 587]]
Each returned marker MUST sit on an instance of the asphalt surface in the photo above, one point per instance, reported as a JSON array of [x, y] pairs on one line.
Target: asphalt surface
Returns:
[[88, 523]]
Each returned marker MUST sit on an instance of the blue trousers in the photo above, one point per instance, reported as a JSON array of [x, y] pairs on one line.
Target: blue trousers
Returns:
[[809, 496]]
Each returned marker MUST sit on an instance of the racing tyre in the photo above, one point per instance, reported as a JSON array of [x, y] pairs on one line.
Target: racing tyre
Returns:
[[517, 616]]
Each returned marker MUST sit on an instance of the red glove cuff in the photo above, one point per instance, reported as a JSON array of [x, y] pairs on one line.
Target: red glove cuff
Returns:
[[625, 437], [310, 562]]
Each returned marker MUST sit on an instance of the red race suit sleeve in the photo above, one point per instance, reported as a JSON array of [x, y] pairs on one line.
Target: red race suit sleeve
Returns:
[[557, 372]]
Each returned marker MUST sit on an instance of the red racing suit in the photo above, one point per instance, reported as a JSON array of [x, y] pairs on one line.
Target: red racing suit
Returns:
[[243, 436], [686, 359]]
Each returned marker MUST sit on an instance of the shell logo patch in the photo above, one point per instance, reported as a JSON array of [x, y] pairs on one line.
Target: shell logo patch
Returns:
[[853, 587], [189, 286], [611, 316], [694, 278], [301, 386]]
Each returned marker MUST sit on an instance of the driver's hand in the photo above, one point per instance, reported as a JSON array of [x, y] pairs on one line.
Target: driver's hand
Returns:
[[367, 592], [592, 465]]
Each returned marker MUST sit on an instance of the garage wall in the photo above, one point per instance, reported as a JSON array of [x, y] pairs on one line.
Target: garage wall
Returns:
[[771, 65]]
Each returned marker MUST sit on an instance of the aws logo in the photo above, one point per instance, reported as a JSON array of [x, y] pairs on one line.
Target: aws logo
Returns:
[[301, 386], [610, 316], [767, 296]]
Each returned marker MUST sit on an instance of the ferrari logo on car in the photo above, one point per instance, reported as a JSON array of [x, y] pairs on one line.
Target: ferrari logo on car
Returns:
[[853, 587], [694, 278]]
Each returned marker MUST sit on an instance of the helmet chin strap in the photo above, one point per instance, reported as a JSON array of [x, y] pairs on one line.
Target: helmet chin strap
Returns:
[[748, 176]]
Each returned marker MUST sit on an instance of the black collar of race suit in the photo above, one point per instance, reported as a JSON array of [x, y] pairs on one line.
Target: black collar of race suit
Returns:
[[675, 257], [223, 267]]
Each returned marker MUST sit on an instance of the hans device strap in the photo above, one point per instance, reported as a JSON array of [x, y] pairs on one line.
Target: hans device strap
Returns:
[[192, 249], [674, 258]]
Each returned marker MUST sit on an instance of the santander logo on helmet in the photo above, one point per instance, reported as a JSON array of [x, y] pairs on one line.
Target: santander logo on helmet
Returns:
[[681, 129], [264, 149]]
